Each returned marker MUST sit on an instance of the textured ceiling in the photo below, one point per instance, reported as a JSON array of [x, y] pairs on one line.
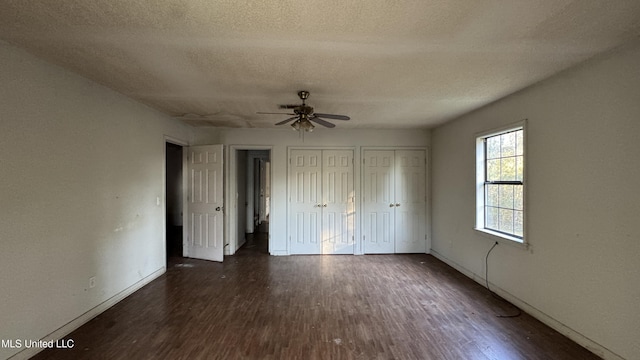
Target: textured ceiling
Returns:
[[387, 64]]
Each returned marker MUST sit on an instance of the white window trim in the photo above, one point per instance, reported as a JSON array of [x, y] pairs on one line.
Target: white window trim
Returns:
[[480, 177]]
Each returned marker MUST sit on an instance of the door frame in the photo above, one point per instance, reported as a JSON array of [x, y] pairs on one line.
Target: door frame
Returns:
[[231, 202], [184, 144]]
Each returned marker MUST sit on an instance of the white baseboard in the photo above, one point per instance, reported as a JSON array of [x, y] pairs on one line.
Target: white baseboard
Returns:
[[544, 318], [279, 253], [87, 316]]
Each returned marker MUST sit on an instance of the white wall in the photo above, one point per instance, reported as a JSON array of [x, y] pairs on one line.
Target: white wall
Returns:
[[281, 139], [81, 168], [582, 273]]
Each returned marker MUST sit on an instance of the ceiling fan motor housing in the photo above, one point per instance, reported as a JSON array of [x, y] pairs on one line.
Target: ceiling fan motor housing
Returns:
[[303, 110]]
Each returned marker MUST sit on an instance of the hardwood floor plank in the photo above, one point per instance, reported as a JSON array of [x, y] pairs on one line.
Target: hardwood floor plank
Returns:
[[255, 306]]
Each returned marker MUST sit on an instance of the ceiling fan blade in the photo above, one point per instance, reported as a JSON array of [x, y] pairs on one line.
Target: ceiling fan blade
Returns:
[[286, 121], [270, 113], [332, 116], [321, 122], [287, 106]]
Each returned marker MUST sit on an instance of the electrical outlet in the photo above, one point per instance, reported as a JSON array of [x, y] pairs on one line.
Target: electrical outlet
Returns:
[[92, 282]]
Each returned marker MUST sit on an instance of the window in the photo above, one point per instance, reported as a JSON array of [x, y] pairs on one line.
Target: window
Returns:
[[500, 183]]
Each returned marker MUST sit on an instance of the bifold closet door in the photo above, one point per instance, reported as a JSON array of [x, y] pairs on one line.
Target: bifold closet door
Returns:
[[305, 214], [411, 201], [394, 201], [338, 209], [321, 202], [378, 198]]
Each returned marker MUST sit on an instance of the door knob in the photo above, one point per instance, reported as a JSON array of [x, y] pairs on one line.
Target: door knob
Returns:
[[218, 208], [391, 205], [397, 204], [325, 205]]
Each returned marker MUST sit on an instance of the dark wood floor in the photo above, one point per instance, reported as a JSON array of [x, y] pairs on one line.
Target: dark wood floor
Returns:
[[255, 306]]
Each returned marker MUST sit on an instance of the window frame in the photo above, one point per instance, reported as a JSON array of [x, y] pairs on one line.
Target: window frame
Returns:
[[481, 185]]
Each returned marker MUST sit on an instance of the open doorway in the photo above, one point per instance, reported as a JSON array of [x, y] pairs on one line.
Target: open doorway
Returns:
[[174, 200], [253, 194]]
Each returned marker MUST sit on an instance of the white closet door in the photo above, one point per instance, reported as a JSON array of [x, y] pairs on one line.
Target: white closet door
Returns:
[[379, 201], [305, 202], [410, 201], [338, 205]]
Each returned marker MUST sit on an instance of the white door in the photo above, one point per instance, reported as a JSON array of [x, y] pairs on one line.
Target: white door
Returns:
[[263, 191], [338, 207], [379, 201], [394, 199], [305, 202], [410, 201], [267, 189], [204, 230]]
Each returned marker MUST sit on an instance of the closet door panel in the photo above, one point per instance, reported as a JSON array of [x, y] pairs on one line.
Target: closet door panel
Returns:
[[338, 205], [378, 201], [305, 202], [410, 209]]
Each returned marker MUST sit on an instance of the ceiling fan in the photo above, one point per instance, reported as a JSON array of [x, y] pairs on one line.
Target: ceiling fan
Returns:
[[304, 115]]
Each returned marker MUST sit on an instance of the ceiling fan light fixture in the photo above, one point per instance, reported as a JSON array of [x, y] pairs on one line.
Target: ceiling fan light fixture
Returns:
[[304, 115], [303, 125], [307, 126]]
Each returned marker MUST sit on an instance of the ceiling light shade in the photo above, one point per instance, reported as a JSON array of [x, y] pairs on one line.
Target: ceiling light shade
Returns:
[[306, 125], [303, 124]]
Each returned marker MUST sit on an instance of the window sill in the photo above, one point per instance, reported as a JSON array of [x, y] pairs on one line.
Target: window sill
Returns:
[[503, 238]]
